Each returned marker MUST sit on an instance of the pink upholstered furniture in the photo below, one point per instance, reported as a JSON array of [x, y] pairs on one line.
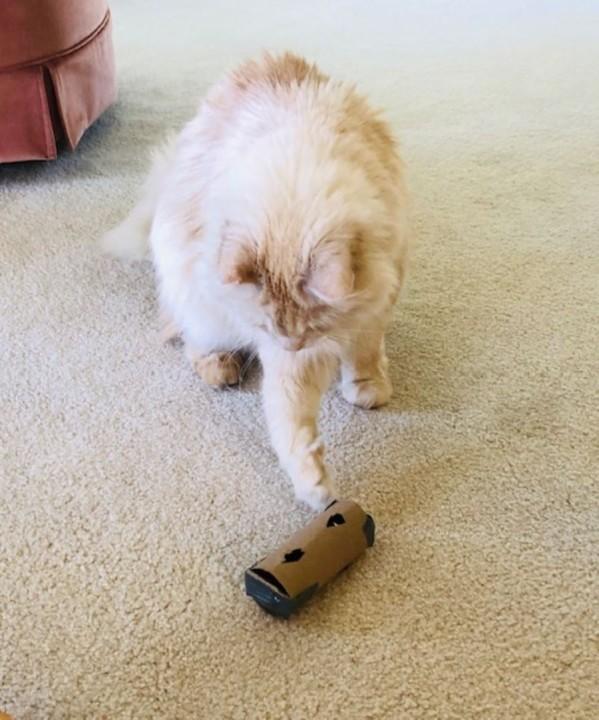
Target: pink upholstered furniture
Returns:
[[56, 74]]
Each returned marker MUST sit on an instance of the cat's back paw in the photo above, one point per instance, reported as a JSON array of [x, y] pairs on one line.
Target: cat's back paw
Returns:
[[217, 369]]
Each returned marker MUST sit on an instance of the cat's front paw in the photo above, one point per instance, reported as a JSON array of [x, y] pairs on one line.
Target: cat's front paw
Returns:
[[311, 480], [369, 392], [316, 496]]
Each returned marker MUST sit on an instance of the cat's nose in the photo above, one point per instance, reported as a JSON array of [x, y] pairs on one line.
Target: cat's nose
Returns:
[[293, 344]]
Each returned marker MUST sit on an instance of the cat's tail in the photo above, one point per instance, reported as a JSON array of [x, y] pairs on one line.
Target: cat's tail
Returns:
[[130, 240]]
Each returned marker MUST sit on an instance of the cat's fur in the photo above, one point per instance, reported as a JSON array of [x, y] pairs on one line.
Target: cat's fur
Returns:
[[276, 223]]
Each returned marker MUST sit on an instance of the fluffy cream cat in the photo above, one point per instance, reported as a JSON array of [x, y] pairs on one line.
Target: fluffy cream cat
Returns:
[[276, 224]]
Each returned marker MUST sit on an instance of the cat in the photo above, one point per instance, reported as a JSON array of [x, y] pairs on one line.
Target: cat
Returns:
[[276, 223]]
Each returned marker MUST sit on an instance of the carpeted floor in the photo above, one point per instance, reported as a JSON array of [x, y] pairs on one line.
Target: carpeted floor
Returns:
[[132, 498]]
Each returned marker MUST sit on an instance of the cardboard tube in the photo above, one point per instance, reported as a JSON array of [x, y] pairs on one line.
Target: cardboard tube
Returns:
[[284, 580]]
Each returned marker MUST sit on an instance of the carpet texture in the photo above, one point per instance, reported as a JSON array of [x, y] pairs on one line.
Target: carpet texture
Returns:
[[132, 498]]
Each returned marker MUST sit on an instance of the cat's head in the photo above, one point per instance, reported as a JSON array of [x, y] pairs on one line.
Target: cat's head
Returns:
[[302, 289], [303, 238]]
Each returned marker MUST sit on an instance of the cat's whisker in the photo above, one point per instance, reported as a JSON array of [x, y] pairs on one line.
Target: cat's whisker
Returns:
[[247, 365]]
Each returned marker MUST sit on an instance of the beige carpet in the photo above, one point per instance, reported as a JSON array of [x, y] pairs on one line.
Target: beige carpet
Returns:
[[132, 498]]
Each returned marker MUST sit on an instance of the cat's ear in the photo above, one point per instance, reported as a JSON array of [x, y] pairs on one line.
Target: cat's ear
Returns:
[[331, 275], [237, 262]]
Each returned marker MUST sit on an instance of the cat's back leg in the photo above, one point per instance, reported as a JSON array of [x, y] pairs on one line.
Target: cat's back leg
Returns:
[[218, 369], [213, 346]]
